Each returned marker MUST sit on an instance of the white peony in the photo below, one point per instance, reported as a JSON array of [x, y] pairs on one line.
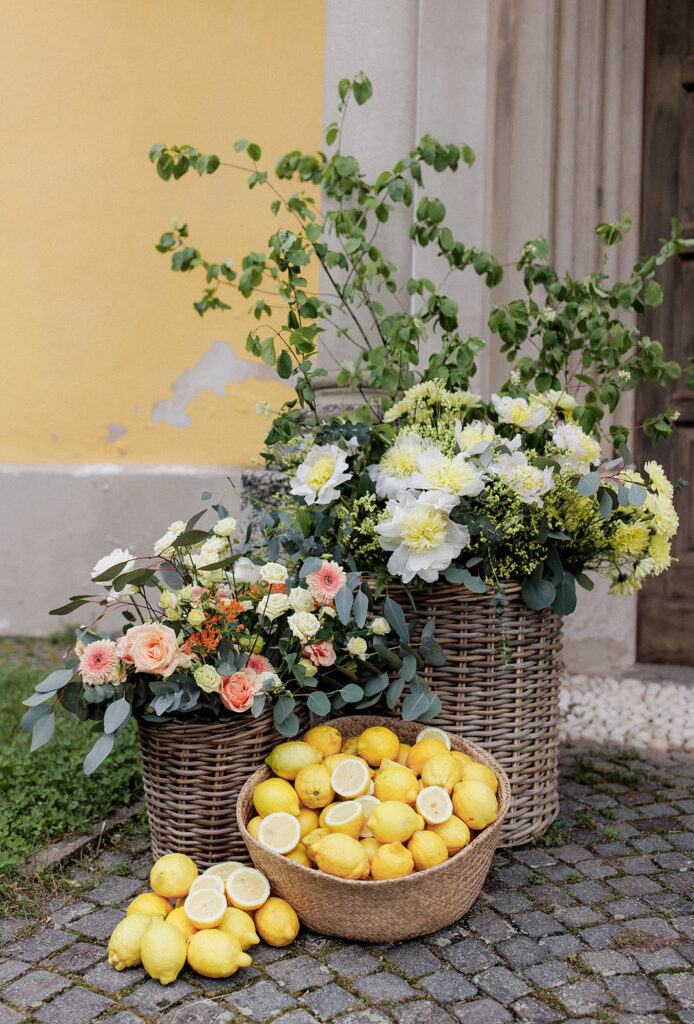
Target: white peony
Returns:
[[455, 476], [273, 572], [304, 625], [475, 437], [393, 474], [422, 537], [301, 600], [578, 451], [519, 412], [273, 606], [225, 527], [320, 474], [529, 482]]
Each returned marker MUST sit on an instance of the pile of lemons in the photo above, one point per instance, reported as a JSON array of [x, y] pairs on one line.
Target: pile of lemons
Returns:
[[371, 806], [208, 920]]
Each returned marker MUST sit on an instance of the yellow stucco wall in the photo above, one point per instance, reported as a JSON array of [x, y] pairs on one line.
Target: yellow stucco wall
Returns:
[[95, 327]]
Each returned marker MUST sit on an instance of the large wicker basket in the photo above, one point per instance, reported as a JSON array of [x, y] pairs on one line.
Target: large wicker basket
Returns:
[[192, 774], [499, 687], [400, 908]]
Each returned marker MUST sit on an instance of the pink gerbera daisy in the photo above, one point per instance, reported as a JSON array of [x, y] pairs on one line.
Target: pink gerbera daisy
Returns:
[[259, 664], [326, 581], [98, 663]]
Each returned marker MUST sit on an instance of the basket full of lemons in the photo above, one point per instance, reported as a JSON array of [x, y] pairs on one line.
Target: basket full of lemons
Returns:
[[374, 828]]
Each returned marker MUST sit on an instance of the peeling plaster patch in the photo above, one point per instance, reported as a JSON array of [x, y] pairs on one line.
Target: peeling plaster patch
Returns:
[[213, 371], [115, 431]]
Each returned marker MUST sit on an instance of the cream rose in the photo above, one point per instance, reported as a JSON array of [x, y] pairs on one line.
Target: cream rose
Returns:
[[274, 605], [196, 617], [208, 678], [356, 645], [273, 572], [380, 627], [303, 625], [301, 600], [225, 527]]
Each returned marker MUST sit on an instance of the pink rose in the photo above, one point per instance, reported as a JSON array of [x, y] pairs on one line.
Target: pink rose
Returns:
[[154, 649], [322, 653], [237, 691], [259, 664]]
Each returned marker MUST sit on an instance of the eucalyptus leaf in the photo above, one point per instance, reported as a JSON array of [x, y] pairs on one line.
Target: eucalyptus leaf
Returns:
[[258, 705], [283, 708], [351, 693], [343, 604], [414, 705], [319, 703], [31, 717], [289, 726], [588, 484], [396, 618], [118, 713], [360, 609], [394, 693], [538, 595], [98, 754], [42, 731], [309, 566], [55, 681]]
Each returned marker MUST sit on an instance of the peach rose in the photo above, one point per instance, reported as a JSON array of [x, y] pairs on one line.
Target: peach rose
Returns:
[[154, 649], [322, 653], [237, 691]]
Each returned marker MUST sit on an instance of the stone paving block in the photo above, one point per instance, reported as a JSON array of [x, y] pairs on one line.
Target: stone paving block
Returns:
[[635, 885], [413, 959], [578, 917], [544, 894], [597, 869], [674, 861], [71, 912], [685, 925], [39, 946], [501, 984], [652, 844], [8, 1016], [263, 954], [562, 872], [653, 926], [520, 951], [313, 943], [620, 910], [299, 973], [481, 1011], [294, 1017], [636, 994], [537, 924], [583, 997], [76, 1006], [9, 929], [506, 902], [12, 969], [639, 865], [448, 986], [422, 1012], [470, 956], [151, 996], [600, 936], [490, 926], [99, 924], [384, 986], [609, 961], [515, 877], [34, 988], [611, 849], [551, 974], [200, 1011], [116, 889], [329, 1000], [79, 957], [680, 987], [589, 892], [353, 962], [661, 960], [666, 901], [534, 858], [108, 979], [536, 1012], [264, 999], [683, 841], [124, 1017], [572, 853], [562, 945], [369, 1015]]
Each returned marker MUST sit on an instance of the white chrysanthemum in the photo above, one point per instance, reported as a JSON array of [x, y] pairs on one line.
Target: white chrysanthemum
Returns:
[[475, 437], [422, 537], [117, 556], [163, 545], [519, 412], [301, 600], [578, 450], [393, 474], [273, 572], [455, 476], [274, 605], [659, 479], [320, 474], [529, 482]]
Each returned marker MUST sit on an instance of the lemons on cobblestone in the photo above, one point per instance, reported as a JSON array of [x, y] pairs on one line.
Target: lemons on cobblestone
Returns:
[[276, 922], [163, 951], [124, 945], [179, 919], [216, 954], [239, 925], [289, 758], [172, 875], [247, 889], [149, 903], [205, 907]]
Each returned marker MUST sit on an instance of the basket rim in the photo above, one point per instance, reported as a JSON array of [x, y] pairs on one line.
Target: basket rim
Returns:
[[489, 834]]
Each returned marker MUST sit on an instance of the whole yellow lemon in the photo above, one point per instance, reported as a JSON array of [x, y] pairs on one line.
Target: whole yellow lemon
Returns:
[[341, 855], [454, 833], [376, 743], [392, 860], [126, 940], [324, 738], [475, 803], [442, 770], [163, 951], [275, 795], [395, 782], [422, 751], [312, 785], [216, 954], [149, 903], [475, 770], [276, 922], [393, 821], [240, 926], [288, 758], [427, 849], [173, 875]]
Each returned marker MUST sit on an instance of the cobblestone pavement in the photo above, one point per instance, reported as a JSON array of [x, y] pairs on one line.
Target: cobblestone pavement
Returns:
[[597, 927]]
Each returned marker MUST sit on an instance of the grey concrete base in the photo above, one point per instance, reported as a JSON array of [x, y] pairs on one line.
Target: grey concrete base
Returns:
[[57, 521]]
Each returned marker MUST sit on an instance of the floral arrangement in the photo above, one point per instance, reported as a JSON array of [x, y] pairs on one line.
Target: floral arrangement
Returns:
[[482, 493], [207, 632]]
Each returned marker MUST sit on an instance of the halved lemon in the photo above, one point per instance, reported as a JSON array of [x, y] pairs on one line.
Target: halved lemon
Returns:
[[207, 882], [351, 778], [346, 817], [247, 889], [434, 804], [368, 802], [280, 831], [432, 732], [205, 908], [224, 869]]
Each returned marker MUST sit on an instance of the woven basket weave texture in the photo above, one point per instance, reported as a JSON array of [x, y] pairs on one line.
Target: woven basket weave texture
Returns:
[[512, 709], [192, 774], [400, 908]]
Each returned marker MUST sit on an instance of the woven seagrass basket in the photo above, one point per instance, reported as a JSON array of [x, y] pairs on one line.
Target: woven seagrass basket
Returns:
[[192, 774], [399, 908], [511, 710]]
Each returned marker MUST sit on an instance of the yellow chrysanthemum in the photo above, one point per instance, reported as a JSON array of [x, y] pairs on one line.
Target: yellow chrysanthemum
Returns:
[[665, 519], [630, 539], [659, 479], [659, 552]]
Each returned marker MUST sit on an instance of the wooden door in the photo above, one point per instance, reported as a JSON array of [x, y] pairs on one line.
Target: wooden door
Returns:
[[666, 604]]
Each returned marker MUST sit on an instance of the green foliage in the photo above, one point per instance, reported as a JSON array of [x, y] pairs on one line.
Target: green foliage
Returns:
[[44, 794]]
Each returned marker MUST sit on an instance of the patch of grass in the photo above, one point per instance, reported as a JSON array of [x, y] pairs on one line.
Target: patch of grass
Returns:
[[609, 813], [624, 754], [574, 876], [582, 819], [45, 795], [586, 772], [536, 878], [626, 938], [556, 835]]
